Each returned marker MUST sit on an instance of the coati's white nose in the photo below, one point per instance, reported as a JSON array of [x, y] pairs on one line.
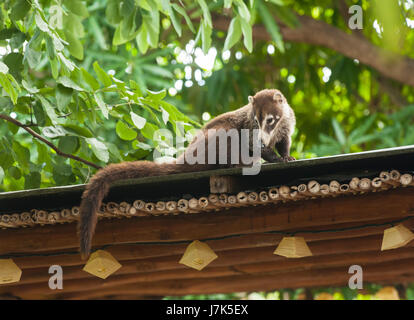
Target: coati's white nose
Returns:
[[264, 137]]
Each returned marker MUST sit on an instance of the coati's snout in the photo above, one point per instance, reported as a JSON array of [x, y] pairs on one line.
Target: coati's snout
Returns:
[[268, 108]]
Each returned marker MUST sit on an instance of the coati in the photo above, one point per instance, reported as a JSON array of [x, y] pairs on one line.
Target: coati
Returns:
[[267, 111]]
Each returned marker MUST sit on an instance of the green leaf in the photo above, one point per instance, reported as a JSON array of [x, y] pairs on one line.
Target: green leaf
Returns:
[[91, 81], [53, 132], [101, 104], [271, 25], [243, 10], [69, 83], [165, 116], [112, 12], [32, 181], [68, 144], [127, 6], [233, 34], [339, 133], [8, 87], [68, 64], [32, 57], [19, 10], [157, 95], [166, 5], [205, 36], [75, 47], [124, 132], [138, 121], [247, 35], [41, 24], [21, 154], [99, 149], [206, 13], [15, 173], [3, 68], [76, 130], [29, 88], [102, 76], [77, 7], [181, 11], [63, 96]]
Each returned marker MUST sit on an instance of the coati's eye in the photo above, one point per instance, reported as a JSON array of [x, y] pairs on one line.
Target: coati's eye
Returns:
[[270, 120]]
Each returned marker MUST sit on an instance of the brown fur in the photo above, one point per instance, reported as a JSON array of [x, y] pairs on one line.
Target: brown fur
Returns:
[[243, 118]]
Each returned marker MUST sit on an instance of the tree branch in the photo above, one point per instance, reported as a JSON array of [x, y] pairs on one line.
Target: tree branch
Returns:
[[315, 32], [39, 137]]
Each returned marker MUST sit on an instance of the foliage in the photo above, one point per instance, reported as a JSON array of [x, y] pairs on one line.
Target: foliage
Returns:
[[92, 78]]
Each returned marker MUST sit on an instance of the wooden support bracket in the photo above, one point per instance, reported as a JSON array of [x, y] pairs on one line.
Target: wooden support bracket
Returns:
[[224, 184]]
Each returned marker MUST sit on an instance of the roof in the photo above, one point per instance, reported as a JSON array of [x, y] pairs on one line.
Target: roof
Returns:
[[342, 227]]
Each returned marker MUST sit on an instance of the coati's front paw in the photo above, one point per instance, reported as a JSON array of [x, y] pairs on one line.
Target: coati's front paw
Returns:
[[288, 158]]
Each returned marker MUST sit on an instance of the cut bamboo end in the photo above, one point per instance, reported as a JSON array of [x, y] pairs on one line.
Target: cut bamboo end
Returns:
[[27, 220], [232, 200], [365, 184], [253, 198], [263, 197], [150, 208], [395, 175], [138, 204], [274, 194], [182, 205], [123, 208], [54, 217], [314, 187], [386, 179], [376, 183], [242, 198], [406, 180], [324, 189], [354, 184], [205, 204], [295, 194], [193, 204], [303, 189], [334, 187], [344, 188], [172, 207], [284, 192], [223, 199], [112, 208]]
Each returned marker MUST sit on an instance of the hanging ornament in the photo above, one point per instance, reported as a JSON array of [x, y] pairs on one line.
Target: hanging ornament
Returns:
[[9, 271], [198, 255], [396, 237], [101, 264], [293, 247]]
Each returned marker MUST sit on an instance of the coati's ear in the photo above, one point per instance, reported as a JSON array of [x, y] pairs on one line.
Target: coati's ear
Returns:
[[251, 99], [278, 97]]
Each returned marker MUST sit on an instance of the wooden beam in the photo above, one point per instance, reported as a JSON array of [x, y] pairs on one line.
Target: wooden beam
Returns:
[[249, 261], [389, 271], [297, 215], [133, 252]]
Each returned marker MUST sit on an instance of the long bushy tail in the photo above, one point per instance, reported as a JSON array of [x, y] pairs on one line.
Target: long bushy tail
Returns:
[[99, 185]]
